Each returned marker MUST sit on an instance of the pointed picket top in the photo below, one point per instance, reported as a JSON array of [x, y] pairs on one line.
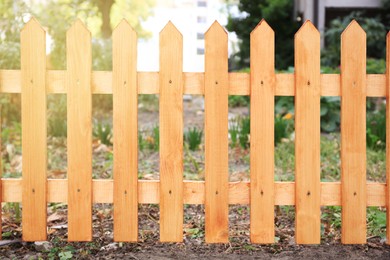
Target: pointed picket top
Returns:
[[388, 70], [123, 27], [33, 24], [353, 30], [215, 28], [307, 30], [262, 28], [79, 27], [170, 28]]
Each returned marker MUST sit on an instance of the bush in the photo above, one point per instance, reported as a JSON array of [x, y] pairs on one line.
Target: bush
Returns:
[[376, 129]]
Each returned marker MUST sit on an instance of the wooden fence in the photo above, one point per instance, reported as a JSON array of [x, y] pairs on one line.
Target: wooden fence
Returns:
[[262, 193]]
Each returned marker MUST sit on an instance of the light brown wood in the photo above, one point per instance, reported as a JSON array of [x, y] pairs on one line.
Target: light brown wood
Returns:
[[171, 134], [193, 193], [79, 103], [388, 138], [216, 135], [353, 135], [33, 69], [148, 83], [125, 126], [262, 63], [307, 135]]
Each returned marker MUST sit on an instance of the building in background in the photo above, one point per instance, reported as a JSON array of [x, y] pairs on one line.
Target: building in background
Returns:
[[192, 18], [321, 12]]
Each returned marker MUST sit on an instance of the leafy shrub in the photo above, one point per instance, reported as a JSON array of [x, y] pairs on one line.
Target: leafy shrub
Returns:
[[194, 138], [376, 129]]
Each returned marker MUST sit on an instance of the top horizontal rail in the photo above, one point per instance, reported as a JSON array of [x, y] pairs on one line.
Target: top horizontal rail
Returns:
[[148, 83]]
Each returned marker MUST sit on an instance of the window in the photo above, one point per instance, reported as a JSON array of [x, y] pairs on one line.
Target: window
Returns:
[[202, 19], [200, 51], [202, 4]]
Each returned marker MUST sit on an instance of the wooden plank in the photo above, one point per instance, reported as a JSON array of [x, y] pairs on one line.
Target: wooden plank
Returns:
[[1, 175], [353, 135], [79, 103], [125, 126], [33, 68], [388, 138], [307, 135], [216, 135], [171, 134], [194, 192], [262, 62], [148, 83]]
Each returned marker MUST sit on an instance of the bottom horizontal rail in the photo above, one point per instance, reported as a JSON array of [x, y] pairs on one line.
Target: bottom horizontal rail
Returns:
[[148, 192]]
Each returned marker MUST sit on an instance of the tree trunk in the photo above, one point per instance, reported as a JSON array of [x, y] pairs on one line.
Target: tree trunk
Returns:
[[105, 9]]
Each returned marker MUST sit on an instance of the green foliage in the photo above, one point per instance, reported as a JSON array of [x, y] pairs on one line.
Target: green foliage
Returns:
[[234, 130], [376, 222], [245, 127], [141, 141], [57, 115], [376, 66], [283, 128], [376, 129], [332, 216], [279, 15], [153, 140], [330, 113], [103, 132], [194, 138], [238, 101], [376, 35]]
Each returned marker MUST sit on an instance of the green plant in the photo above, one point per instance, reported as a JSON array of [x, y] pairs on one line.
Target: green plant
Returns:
[[153, 140], [141, 141], [376, 129], [194, 138], [234, 129], [245, 127], [57, 115], [103, 132], [330, 113], [282, 127], [238, 101], [332, 216], [376, 222]]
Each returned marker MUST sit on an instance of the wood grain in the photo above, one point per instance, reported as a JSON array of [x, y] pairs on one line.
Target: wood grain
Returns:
[[79, 105], [307, 135], [262, 64], [125, 127], [353, 135], [216, 135], [34, 148], [171, 134]]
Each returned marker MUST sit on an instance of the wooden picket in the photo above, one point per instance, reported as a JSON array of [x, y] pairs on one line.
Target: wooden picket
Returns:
[[387, 138], [307, 135], [262, 193], [216, 135], [262, 134], [171, 134], [33, 68], [125, 127], [353, 135], [79, 102]]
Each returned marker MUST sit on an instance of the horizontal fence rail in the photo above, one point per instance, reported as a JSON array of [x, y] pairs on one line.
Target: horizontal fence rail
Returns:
[[353, 193]]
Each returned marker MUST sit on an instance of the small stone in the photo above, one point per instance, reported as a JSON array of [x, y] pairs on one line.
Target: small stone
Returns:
[[111, 246], [43, 246]]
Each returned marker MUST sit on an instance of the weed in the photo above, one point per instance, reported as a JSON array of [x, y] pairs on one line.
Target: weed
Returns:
[[103, 132], [194, 138], [141, 141], [376, 222], [245, 127], [234, 130]]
